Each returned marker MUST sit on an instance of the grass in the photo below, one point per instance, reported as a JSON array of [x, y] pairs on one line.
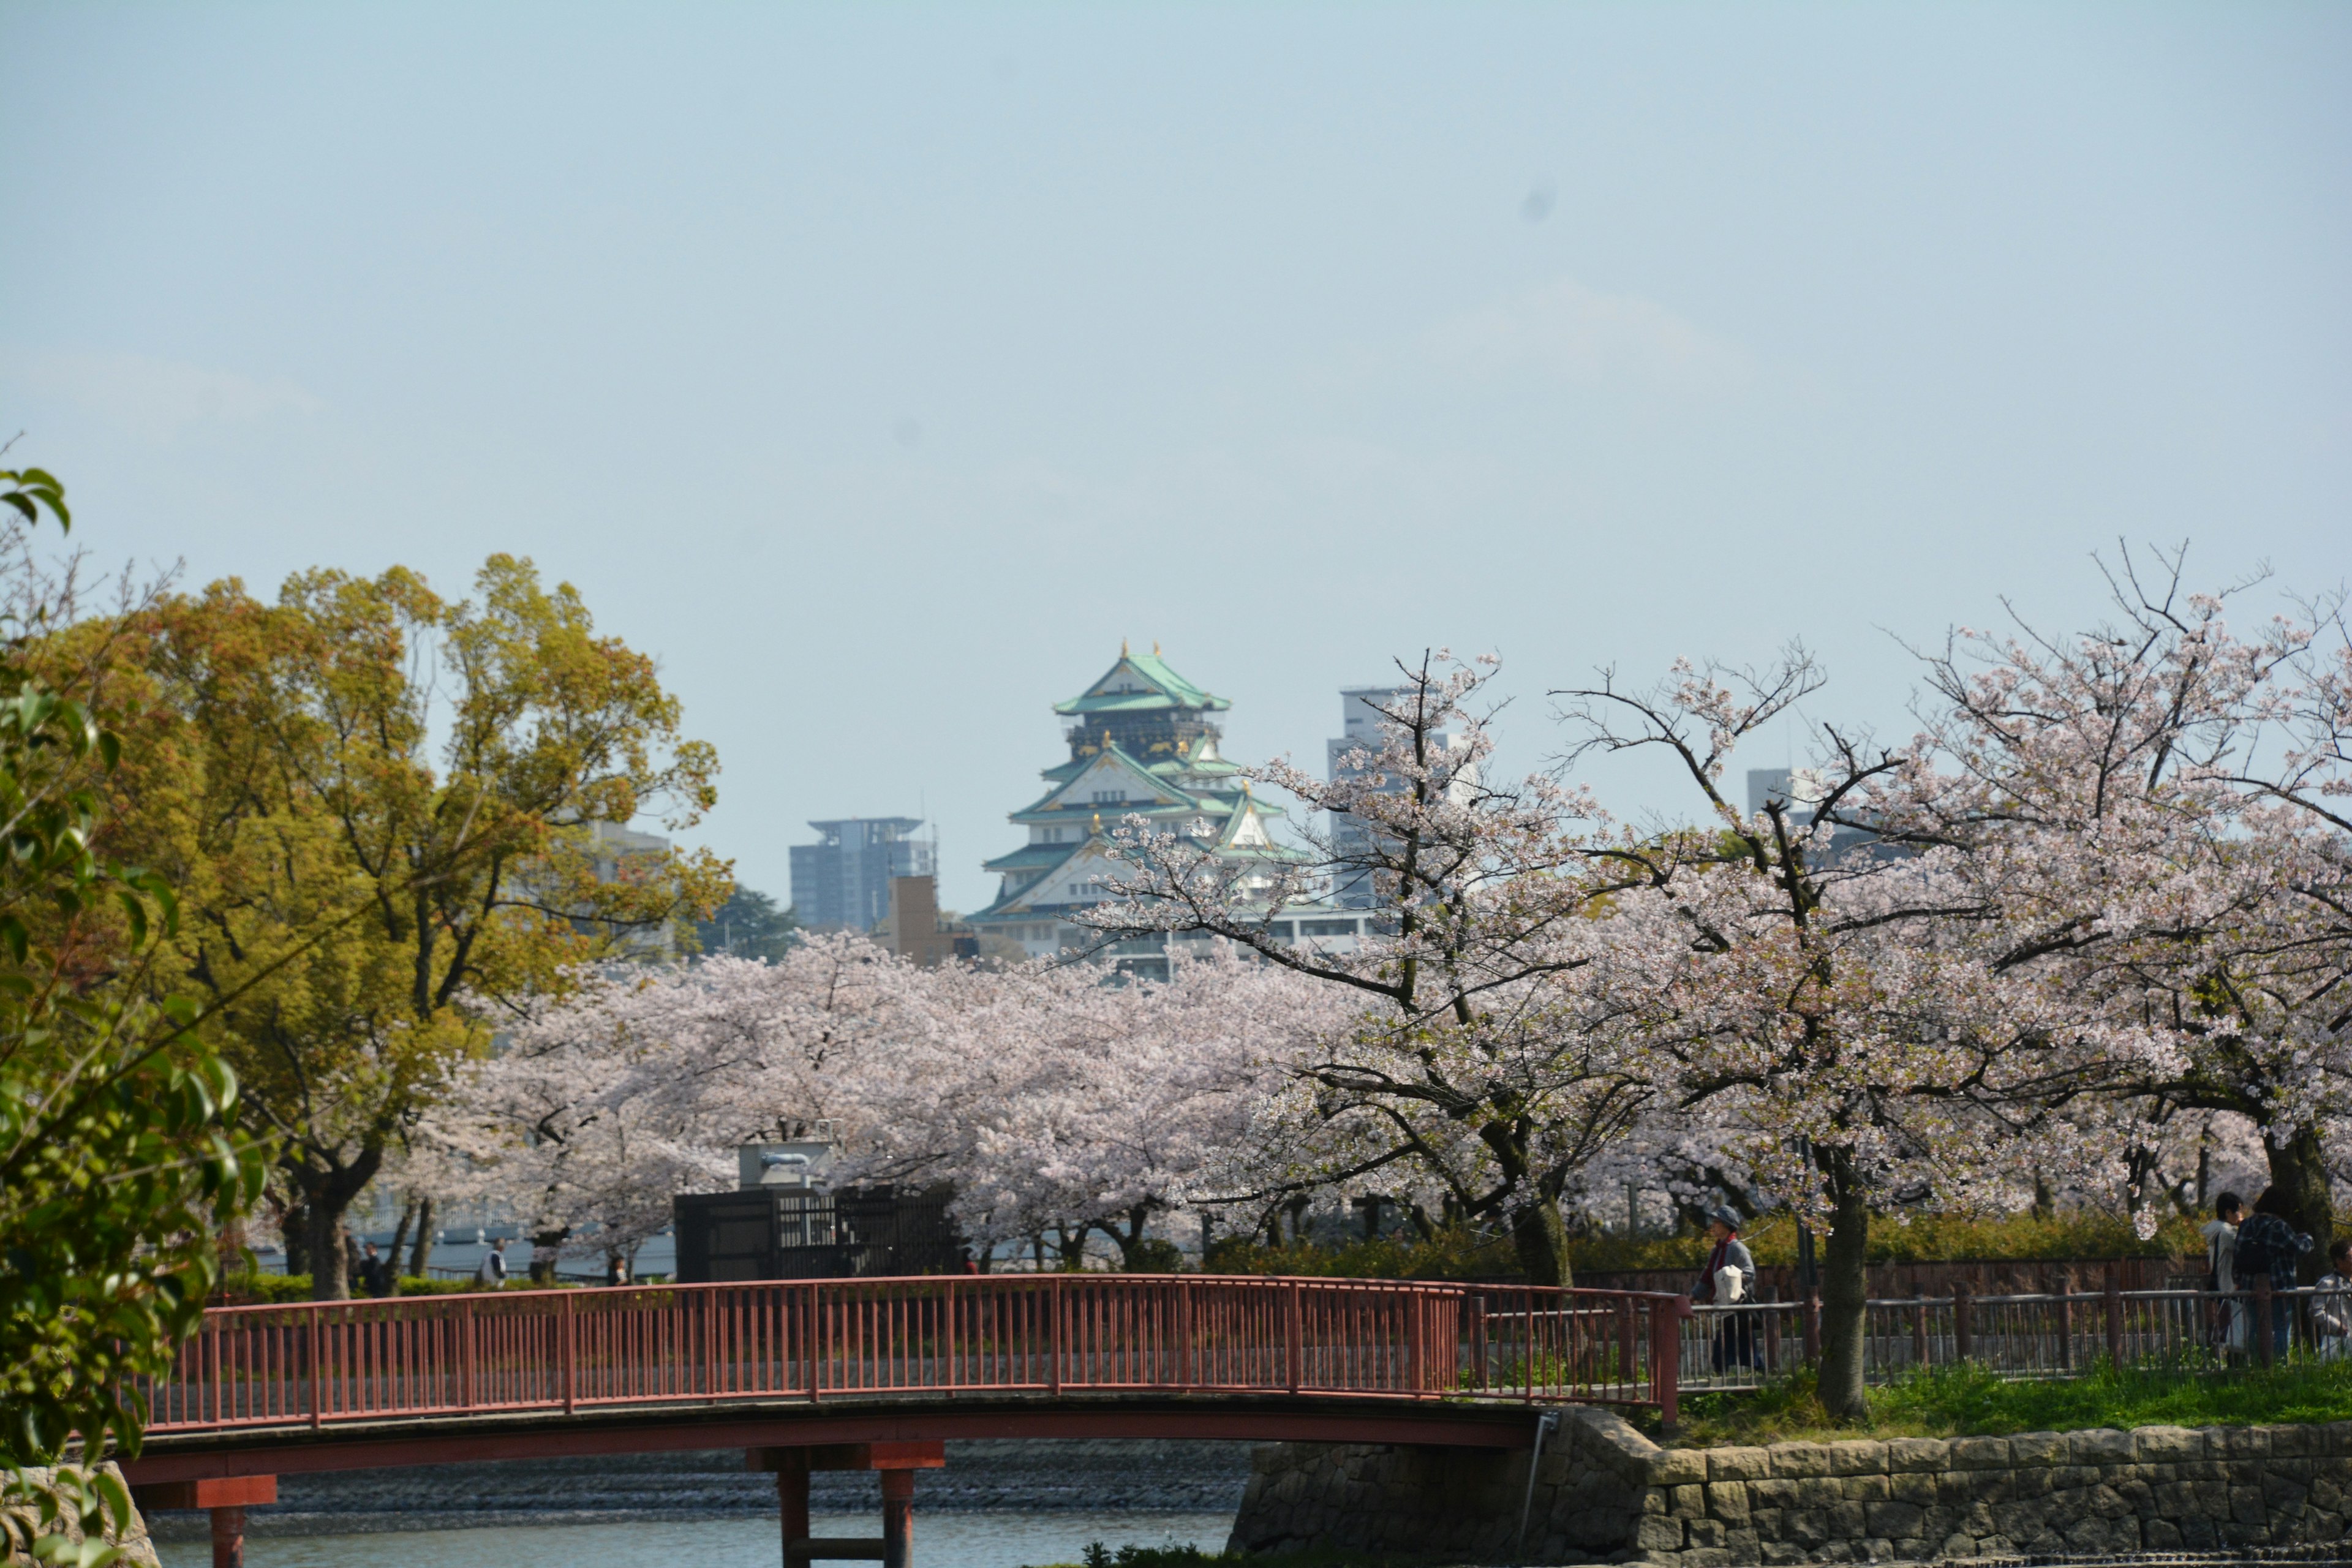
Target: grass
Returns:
[[1969, 1401]]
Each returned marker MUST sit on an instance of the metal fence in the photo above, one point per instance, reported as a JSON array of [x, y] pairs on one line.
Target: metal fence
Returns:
[[2018, 1336]]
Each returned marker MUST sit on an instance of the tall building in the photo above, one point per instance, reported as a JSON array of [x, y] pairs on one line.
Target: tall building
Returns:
[[1143, 742], [843, 881], [1352, 843]]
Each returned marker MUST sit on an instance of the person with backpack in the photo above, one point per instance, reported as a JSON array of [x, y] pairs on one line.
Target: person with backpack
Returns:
[[2225, 1325], [492, 1274], [2269, 1245]]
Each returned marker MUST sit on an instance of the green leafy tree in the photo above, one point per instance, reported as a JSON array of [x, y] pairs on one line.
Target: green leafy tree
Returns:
[[117, 1151], [363, 901], [749, 925]]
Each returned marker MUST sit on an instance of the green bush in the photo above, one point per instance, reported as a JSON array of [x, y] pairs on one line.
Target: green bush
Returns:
[[1457, 1254], [277, 1290], [1918, 1239], [1464, 1254]]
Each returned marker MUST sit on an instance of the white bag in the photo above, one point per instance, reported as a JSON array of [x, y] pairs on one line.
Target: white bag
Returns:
[[1728, 1285]]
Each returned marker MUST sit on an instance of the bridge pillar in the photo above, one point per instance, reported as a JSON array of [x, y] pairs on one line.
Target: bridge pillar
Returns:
[[226, 1496], [898, 1463]]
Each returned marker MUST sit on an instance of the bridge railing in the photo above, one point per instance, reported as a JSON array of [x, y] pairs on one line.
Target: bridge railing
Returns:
[[323, 1362]]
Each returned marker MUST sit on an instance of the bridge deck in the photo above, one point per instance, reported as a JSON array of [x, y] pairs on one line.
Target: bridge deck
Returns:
[[773, 1363]]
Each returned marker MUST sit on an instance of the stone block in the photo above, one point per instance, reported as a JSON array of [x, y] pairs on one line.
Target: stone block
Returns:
[[1864, 1488], [2105, 1502], [2165, 1444], [1959, 1545], [2159, 1535], [2291, 1441], [1707, 1557], [1703, 1532], [2037, 1448], [1855, 1456], [1745, 1547], [1893, 1519], [1657, 1500], [2244, 1442], [1796, 1460], [1728, 1501], [1771, 1492], [1779, 1553], [1918, 1454], [1737, 1464], [2246, 1505], [1916, 1486], [1806, 1526], [1876, 1549], [1678, 1466], [1688, 1502], [1819, 1491], [1980, 1453], [2099, 1445], [1961, 1488], [1659, 1534], [1846, 1521]]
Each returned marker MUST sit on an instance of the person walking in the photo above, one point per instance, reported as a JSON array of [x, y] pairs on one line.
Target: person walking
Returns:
[[2331, 1306], [2269, 1244], [492, 1274], [375, 1274], [1728, 1278], [2225, 1324]]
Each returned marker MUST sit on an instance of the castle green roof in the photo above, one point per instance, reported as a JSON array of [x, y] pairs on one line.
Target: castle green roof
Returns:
[[1142, 683]]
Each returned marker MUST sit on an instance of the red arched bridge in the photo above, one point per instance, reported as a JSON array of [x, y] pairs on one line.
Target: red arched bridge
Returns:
[[877, 1373]]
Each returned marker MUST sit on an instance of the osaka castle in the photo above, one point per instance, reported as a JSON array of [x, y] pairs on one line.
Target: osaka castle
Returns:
[[1143, 742]]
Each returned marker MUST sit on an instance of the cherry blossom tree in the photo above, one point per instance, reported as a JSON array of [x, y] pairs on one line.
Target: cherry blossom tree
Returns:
[[2159, 802], [1477, 1071], [1859, 1019]]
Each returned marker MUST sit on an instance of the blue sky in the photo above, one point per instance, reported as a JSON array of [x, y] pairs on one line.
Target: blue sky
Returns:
[[879, 368]]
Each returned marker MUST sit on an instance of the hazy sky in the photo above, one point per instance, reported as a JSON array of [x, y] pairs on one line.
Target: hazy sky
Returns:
[[880, 368]]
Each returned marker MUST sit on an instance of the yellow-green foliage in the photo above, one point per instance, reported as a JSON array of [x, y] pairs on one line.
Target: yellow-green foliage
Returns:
[[274, 1289], [1923, 1238]]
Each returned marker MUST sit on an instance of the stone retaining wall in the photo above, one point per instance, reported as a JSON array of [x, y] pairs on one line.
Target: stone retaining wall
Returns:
[[1606, 1493]]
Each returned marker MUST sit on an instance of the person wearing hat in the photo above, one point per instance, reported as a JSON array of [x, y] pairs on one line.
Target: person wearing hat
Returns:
[[1730, 1278]]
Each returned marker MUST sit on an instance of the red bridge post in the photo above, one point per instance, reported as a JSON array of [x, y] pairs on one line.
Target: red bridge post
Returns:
[[227, 1497], [897, 1519], [897, 1461]]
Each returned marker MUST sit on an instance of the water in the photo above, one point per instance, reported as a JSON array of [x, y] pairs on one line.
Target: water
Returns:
[[941, 1541]]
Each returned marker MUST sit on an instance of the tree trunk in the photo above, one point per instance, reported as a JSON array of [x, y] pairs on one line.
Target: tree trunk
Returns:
[[400, 1235], [543, 1246], [1846, 1292], [295, 1223], [2299, 1175], [422, 1252], [323, 1240], [1541, 1238], [326, 1195]]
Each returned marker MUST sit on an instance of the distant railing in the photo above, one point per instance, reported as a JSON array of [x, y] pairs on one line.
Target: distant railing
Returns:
[[432, 1356], [2018, 1336]]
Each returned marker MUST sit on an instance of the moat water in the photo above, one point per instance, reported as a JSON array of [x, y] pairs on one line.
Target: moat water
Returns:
[[941, 1541], [995, 1505]]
